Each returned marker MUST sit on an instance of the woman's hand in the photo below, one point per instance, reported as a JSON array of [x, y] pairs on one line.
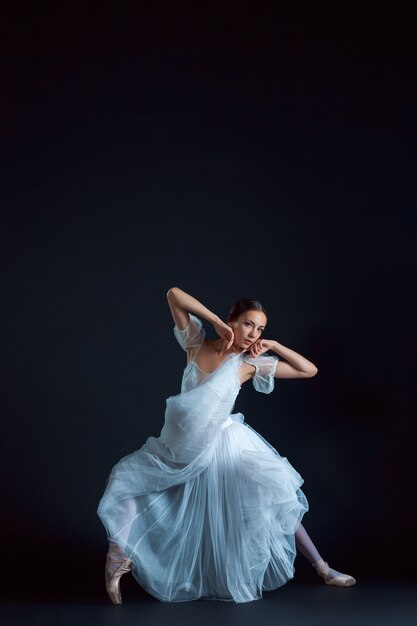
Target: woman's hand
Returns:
[[225, 332], [260, 346]]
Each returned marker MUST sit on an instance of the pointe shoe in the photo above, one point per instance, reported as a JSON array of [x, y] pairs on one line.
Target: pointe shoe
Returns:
[[332, 576], [116, 565]]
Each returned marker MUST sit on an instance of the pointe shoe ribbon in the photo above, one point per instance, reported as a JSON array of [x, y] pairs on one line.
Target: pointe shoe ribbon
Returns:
[[332, 576], [113, 573]]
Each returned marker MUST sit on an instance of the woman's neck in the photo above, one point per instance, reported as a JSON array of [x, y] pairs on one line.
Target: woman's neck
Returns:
[[219, 344]]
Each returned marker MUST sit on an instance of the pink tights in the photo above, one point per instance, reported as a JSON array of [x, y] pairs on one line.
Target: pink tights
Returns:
[[305, 545]]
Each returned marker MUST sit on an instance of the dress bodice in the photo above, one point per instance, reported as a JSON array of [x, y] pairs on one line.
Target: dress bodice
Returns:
[[193, 375], [193, 337]]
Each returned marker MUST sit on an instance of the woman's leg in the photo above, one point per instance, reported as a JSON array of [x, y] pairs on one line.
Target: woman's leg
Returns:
[[117, 563], [309, 550], [305, 545]]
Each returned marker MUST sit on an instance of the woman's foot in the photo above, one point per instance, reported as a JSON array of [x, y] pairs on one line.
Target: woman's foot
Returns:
[[117, 564], [332, 576]]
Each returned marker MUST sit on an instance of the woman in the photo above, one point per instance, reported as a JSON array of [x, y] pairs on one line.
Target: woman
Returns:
[[209, 509]]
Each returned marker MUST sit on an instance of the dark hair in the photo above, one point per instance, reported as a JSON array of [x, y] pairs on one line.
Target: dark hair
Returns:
[[243, 305]]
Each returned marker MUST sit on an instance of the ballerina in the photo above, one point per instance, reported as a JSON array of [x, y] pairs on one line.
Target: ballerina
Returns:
[[210, 509]]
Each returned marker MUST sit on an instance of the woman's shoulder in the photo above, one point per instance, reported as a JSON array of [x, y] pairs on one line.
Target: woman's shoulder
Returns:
[[263, 370], [192, 336], [203, 348]]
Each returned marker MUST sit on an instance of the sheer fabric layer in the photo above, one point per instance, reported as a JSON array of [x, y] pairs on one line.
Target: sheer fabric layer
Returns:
[[226, 533], [209, 508]]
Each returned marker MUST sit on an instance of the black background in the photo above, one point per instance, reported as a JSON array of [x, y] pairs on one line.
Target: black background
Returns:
[[236, 150]]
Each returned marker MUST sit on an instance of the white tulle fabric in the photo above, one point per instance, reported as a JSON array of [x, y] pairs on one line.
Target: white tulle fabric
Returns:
[[207, 510]]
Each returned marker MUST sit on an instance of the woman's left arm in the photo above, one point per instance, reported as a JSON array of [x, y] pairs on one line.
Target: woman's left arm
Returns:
[[294, 365]]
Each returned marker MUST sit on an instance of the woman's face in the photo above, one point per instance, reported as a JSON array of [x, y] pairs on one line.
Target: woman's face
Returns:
[[248, 328]]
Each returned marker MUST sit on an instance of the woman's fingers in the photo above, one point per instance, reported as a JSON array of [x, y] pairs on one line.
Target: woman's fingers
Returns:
[[257, 348]]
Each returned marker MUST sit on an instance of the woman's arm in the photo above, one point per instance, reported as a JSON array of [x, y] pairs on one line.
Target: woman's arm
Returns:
[[181, 303], [294, 366]]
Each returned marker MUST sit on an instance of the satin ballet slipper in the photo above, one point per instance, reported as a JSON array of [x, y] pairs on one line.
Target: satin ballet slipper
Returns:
[[332, 576], [116, 565]]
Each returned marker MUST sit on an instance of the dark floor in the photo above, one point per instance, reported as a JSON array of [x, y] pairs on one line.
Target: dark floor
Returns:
[[369, 602]]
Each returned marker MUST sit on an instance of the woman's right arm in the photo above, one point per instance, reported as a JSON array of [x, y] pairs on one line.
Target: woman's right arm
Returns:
[[182, 303]]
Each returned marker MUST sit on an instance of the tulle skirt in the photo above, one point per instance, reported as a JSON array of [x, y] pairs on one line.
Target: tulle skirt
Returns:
[[224, 533]]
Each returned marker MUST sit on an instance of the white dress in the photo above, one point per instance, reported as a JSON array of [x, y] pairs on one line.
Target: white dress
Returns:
[[207, 510]]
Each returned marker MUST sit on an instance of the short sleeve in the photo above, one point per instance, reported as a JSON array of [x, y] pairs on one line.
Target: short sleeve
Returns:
[[264, 378], [192, 336]]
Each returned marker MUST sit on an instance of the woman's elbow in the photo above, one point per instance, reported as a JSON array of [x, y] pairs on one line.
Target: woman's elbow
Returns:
[[312, 371], [171, 292]]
